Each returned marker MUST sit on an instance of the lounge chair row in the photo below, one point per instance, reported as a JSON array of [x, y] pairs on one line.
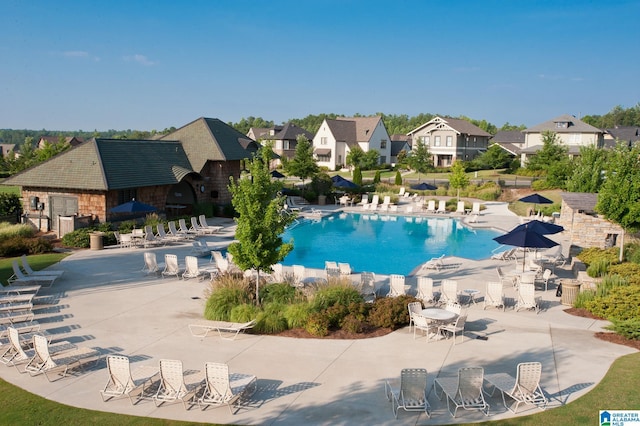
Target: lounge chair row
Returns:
[[180, 233], [171, 267], [467, 389], [25, 279], [217, 387]]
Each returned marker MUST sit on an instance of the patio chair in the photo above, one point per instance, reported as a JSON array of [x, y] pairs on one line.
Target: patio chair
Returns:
[[200, 248], [510, 280], [12, 298], [226, 330], [427, 328], [434, 263], [222, 388], [373, 205], [411, 395], [414, 309], [454, 307], [14, 308], [546, 277], [126, 241], [16, 317], [195, 226], [386, 202], [345, 269], [221, 263], [19, 278], [206, 228], [463, 391], [460, 208], [523, 389], [494, 295], [151, 265], [475, 208], [454, 328], [184, 229], [299, 274], [191, 269], [449, 292], [364, 201], [47, 363], [425, 289], [504, 255], [31, 272], [19, 289], [277, 273], [174, 234], [368, 286], [173, 386], [442, 206], [150, 238], [331, 268], [123, 382], [171, 267], [396, 285], [15, 354], [527, 298], [431, 206]]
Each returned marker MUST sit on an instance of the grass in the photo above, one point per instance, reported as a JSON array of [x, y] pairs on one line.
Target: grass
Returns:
[[10, 189], [37, 262]]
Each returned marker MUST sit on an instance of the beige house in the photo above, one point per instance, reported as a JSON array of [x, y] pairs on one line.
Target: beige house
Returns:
[[570, 130], [284, 138], [451, 139], [336, 138]]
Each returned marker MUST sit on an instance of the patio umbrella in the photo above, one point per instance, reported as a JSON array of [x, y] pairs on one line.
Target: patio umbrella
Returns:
[[535, 199], [276, 174], [526, 237], [133, 206], [341, 182], [544, 228], [423, 186]]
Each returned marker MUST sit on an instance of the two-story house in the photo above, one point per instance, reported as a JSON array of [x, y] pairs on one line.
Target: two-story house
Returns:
[[569, 130], [336, 138], [285, 138], [451, 139]]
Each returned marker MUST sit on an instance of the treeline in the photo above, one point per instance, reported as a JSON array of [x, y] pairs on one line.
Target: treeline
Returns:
[[18, 137], [618, 116]]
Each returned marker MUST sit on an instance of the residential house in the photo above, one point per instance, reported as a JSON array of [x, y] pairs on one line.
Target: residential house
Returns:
[[451, 139], [570, 131], [399, 143], [189, 166], [629, 135], [54, 140], [511, 141], [285, 138], [337, 137], [257, 133], [6, 148]]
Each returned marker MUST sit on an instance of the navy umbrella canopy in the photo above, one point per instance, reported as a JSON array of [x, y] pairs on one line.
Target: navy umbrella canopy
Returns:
[[544, 228], [276, 174], [535, 199], [133, 206], [526, 237], [341, 182], [423, 186]]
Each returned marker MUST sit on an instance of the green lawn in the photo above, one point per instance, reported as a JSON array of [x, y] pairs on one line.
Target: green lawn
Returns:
[[10, 189], [37, 262]]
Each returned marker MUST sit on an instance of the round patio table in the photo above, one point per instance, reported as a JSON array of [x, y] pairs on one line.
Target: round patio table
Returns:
[[438, 314]]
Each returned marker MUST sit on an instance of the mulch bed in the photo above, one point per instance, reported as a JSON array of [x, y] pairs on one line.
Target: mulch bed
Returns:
[[603, 335], [337, 334]]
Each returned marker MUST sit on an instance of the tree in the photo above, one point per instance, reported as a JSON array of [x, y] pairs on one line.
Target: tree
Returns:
[[588, 170], [420, 159], [260, 220], [357, 176], [619, 196], [552, 152], [376, 177], [458, 178], [355, 156], [398, 178], [302, 164], [364, 160], [495, 158]]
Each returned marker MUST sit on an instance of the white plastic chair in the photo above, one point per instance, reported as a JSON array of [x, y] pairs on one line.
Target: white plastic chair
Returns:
[[425, 289], [411, 395], [222, 388], [173, 386], [463, 391], [122, 382], [494, 295], [396, 285], [523, 389]]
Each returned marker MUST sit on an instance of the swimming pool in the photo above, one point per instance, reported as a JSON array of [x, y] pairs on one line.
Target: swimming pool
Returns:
[[384, 244]]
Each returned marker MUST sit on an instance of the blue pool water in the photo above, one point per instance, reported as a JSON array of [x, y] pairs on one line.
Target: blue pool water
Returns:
[[384, 244]]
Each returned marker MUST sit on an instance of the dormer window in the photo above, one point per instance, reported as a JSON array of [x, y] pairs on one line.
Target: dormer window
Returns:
[[562, 124]]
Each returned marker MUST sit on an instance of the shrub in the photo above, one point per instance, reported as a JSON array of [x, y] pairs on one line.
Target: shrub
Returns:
[[10, 203], [608, 283], [297, 314], [598, 268], [14, 246], [592, 254], [353, 324], [39, 245], [226, 292], [627, 328], [620, 304], [398, 180], [632, 252], [244, 313], [271, 320], [629, 271], [279, 293], [391, 312], [584, 297], [339, 293], [125, 227], [317, 324], [8, 230]]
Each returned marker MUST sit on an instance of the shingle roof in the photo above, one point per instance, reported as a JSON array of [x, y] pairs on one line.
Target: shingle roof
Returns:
[[211, 139], [629, 134], [291, 132], [583, 201], [364, 126], [397, 146], [575, 126], [508, 136], [343, 131], [457, 124], [109, 164]]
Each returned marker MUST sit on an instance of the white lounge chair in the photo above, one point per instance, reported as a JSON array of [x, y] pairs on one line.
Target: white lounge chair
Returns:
[[442, 206], [460, 208], [449, 293], [475, 208], [47, 363], [200, 248], [504, 255], [436, 263], [173, 386], [368, 286], [191, 269], [523, 389], [222, 388], [494, 295], [221, 263], [364, 202], [46, 272], [546, 277], [427, 328], [345, 269], [19, 278], [184, 229], [150, 238], [175, 234], [510, 280], [15, 354], [373, 205], [463, 391], [171, 267], [454, 328], [195, 226], [425, 289], [208, 229], [386, 202], [123, 382], [411, 395], [396, 285], [299, 274], [431, 206], [527, 298], [226, 330], [19, 288]]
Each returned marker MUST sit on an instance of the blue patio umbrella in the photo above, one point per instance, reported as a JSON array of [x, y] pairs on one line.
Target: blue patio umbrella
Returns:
[[276, 174], [526, 237], [341, 182], [423, 186], [544, 228], [535, 199], [133, 206]]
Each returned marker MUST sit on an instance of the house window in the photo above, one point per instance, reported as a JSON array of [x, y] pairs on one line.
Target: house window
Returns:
[[449, 140], [383, 144], [436, 141], [562, 124], [324, 158], [126, 195], [323, 140], [383, 159], [426, 140], [575, 139]]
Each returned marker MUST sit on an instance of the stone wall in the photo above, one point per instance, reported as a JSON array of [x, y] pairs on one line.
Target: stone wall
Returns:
[[588, 230]]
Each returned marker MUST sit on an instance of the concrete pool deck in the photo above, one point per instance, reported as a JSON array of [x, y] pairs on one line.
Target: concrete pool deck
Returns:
[[104, 301]]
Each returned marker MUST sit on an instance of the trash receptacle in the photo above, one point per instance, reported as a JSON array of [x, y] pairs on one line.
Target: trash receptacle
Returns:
[[322, 200], [95, 240], [570, 290]]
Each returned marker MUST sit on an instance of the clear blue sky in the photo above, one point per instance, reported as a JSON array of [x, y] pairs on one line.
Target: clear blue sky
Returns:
[[85, 65]]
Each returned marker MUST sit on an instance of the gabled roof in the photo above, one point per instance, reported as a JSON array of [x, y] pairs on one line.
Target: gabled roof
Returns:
[[263, 132], [211, 139], [583, 201], [397, 146], [629, 134], [574, 125], [456, 124], [343, 131], [364, 126], [291, 132], [71, 140], [109, 164], [508, 136]]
